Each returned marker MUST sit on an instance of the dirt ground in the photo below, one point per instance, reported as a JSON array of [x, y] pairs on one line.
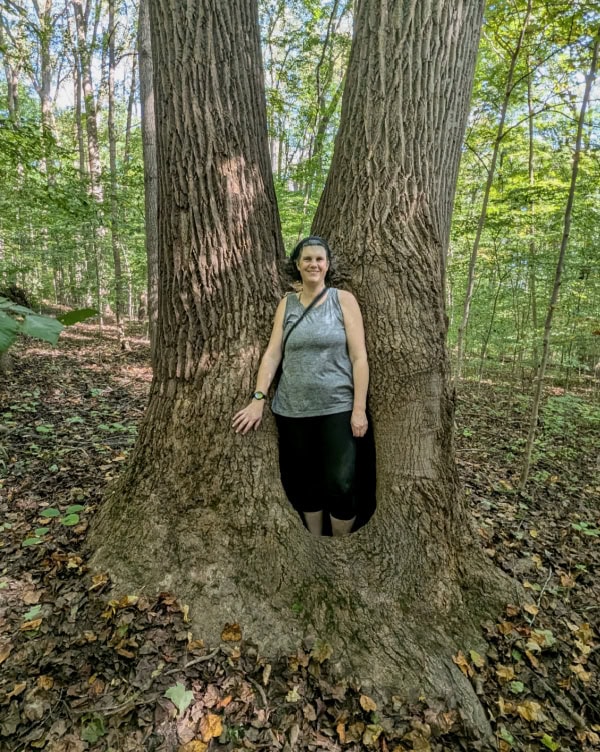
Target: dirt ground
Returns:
[[79, 671]]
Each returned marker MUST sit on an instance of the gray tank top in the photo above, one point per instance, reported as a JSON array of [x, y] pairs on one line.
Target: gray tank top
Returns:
[[316, 376]]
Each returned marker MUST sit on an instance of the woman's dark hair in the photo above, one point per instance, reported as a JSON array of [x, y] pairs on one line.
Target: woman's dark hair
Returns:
[[297, 252]]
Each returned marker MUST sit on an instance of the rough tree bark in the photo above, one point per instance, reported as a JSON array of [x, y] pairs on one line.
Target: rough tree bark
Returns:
[[200, 510]]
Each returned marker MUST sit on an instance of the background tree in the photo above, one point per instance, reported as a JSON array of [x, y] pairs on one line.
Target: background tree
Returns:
[[559, 268], [150, 176], [527, 198]]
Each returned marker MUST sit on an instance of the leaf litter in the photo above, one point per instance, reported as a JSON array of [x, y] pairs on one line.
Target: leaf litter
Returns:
[[79, 671]]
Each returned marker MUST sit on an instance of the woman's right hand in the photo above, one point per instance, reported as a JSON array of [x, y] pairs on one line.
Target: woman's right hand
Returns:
[[249, 417]]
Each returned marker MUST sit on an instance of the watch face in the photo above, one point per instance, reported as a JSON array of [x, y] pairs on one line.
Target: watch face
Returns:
[[258, 395]]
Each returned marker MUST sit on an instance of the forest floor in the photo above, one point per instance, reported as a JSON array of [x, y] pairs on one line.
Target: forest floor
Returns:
[[79, 671]]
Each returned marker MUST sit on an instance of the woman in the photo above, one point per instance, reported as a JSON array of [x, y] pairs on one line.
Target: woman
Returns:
[[320, 402]]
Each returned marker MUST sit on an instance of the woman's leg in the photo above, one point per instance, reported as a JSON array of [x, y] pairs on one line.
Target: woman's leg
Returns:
[[338, 456], [298, 476]]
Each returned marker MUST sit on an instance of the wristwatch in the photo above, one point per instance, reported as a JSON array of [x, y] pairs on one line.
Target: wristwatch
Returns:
[[258, 395]]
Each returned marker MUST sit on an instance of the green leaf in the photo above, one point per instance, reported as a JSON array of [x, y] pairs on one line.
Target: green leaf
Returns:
[[44, 429], [8, 305], [8, 331], [50, 512], [548, 638], [477, 660], [93, 729], [70, 519], [180, 697], [516, 687], [31, 541], [32, 613], [74, 317], [41, 531], [74, 419], [72, 508], [53, 468], [549, 742], [42, 327], [504, 734]]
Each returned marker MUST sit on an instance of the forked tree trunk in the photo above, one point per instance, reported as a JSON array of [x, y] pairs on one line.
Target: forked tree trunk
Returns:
[[201, 510]]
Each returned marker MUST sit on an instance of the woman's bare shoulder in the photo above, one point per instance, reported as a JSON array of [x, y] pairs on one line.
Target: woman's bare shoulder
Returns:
[[346, 297]]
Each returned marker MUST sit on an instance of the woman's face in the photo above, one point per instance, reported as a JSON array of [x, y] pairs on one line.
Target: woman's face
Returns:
[[313, 264]]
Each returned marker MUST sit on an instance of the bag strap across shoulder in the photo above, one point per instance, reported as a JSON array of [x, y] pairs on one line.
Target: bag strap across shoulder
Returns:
[[298, 320]]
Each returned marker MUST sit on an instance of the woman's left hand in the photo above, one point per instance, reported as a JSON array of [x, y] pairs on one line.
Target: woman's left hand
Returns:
[[359, 423]]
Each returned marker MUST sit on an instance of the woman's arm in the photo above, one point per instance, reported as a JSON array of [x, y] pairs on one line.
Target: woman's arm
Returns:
[[355, 335], [251, 415]]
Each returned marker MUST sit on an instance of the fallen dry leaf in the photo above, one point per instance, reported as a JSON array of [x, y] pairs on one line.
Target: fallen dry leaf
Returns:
[[321, 652], [462, 663], [211, 726], [194, 746], [505, 673], [231, 633], [367, 704], [17, 690], [580, 672], [98, 581], [531, 711], [355, 731], [5, 651], [532, 659], [506, 706], [45, 682], [505, 627], [371, 735], [266, 674], [30, 626], [31, 597]]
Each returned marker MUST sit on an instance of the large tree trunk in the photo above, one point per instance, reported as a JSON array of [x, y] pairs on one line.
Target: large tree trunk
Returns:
[[201, 510]]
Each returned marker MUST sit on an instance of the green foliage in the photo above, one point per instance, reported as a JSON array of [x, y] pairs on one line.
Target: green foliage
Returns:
[[521, 237], [17, 319], [93, 728], [75, 317], [180, 697], [48, 217]]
